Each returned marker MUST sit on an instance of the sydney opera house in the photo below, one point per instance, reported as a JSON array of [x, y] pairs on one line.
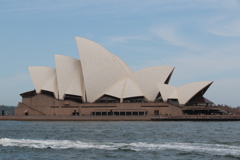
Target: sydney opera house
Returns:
[[101, 84]]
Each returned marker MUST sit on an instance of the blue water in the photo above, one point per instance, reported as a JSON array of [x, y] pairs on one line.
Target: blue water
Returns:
[[119, 140]]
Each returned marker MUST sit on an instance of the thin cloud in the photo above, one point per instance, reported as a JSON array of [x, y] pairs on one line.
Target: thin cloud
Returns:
[[219, 61], [215, 60], [173, 37], [224, 28], [126, 39], [111, 7], [169, 34]]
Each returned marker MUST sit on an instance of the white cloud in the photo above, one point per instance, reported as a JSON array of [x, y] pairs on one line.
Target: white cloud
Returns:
[[173, 37], [226, 28], [168, 33], [220, 60]]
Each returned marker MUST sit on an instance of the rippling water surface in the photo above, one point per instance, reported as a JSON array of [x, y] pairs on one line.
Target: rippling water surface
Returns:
[[119, 140]]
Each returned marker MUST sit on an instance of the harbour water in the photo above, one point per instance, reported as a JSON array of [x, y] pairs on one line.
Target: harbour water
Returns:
[[119, 140]]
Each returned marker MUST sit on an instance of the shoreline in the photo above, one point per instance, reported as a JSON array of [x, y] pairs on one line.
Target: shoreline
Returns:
[[124, 118]]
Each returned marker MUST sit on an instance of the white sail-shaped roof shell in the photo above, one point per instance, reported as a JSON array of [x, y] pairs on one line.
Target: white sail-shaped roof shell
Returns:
[[183, 93], [186, 92], [69, 76], [44, 78], [174, 94], [101, 69], [125, 88], [124, 65], [101, 73], [131, 89], [166, 91], [117, 89], [51, 86], [148, 78]]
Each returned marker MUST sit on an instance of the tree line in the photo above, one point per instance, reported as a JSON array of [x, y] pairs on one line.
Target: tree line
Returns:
[[7, 110]]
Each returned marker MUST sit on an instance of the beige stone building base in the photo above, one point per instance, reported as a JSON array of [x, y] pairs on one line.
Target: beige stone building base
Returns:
[[76, 118], [43, 105]]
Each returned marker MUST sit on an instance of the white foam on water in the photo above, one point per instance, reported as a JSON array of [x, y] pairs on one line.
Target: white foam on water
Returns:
[[56, 144], [213, 149]]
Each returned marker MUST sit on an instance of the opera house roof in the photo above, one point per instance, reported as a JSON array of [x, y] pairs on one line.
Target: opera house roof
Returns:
[[100, 73]]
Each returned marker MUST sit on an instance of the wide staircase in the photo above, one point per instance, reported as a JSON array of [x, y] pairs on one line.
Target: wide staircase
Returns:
[[33, 109]]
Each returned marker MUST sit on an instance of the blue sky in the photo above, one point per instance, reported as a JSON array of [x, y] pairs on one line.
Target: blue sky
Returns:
[[201, 38]]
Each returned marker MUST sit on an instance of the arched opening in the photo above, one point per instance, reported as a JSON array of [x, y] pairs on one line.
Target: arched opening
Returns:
[[74, 98], [199, 100], [47, 93], [139, 99], [173, 101], [108, 99], [159, 98]]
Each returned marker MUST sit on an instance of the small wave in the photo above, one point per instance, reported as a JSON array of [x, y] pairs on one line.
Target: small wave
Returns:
[[54, 144], [213, 149]]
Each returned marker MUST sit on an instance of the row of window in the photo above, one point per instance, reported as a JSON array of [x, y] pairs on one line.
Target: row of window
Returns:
[[122, 113]]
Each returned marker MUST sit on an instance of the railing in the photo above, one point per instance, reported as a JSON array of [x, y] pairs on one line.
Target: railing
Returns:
[[198, 117]]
